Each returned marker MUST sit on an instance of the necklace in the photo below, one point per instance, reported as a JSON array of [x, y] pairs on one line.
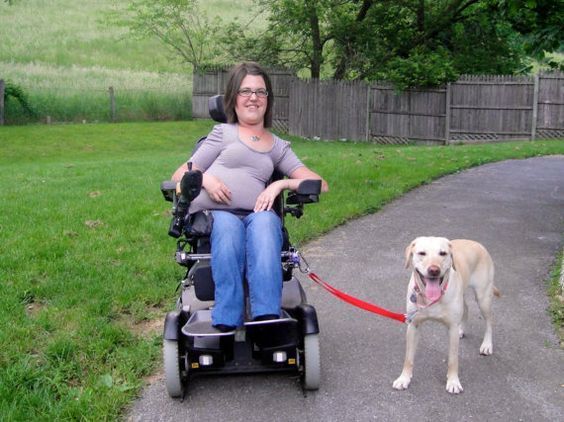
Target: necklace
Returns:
[[255, 138]]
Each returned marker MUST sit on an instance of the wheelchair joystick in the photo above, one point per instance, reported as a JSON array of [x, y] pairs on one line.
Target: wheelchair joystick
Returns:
[[190, 187], [191, 184]]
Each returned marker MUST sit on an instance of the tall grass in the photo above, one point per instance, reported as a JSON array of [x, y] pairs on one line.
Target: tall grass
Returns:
[[82, 93], [65, 55], [87, 265], [67, 32]]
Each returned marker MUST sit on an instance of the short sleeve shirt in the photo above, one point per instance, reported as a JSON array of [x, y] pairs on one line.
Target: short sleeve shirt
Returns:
[[242, 169]]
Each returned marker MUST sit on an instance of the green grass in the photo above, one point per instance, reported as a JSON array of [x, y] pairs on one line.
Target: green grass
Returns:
[[556, 295], [86, 261]]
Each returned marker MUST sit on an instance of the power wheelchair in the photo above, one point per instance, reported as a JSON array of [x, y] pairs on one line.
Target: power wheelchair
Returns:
[[191, 346]]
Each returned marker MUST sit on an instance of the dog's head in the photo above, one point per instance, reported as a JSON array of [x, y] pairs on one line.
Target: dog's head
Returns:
[[431, 259]]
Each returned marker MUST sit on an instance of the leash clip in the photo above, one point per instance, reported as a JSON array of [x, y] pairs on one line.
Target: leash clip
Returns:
[[300, 262], [409, 316]]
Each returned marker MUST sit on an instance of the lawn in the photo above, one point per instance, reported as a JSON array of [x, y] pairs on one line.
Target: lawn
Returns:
[[87, 265]]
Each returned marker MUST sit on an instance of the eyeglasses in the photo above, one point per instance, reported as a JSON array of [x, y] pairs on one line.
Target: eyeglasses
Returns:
[[247, 92]]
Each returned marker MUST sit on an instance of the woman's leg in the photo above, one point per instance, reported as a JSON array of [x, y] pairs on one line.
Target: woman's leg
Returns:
[[227, 263], [264, 269]]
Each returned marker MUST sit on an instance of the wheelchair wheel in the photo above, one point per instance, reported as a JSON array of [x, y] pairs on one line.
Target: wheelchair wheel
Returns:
[[173, 368], [312, 362]]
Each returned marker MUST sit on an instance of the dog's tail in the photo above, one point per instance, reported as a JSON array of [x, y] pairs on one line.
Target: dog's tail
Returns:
[[496, 292]]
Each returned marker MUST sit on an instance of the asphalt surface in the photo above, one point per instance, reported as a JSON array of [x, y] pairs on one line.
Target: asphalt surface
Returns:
[[516, 209]]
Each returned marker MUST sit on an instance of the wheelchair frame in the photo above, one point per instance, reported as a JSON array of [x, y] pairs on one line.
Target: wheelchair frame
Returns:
[[191, 346]]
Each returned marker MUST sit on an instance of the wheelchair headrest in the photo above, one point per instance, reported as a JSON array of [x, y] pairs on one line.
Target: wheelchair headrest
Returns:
[[215, 106]]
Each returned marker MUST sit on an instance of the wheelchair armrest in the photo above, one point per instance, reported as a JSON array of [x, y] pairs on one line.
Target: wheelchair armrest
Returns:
[[168, 188], [308, 192]]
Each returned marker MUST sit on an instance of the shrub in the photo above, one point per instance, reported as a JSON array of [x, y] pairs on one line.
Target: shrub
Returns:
[[17, 93]]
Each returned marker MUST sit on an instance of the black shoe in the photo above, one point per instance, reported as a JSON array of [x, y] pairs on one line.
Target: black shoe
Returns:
[[224, 328], [266, 317]]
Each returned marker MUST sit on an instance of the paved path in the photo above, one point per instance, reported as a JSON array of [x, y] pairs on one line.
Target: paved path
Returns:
[[516, 209]]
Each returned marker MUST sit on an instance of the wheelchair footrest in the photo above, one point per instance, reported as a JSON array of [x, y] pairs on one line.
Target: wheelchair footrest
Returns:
[[273, 333], [200, 325]]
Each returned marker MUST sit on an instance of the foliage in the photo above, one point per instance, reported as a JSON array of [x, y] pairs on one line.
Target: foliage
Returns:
[[413, 43], [421, 68], [13, 91], [540, 21]]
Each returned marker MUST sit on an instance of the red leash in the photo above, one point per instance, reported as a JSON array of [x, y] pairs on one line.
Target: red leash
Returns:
[[355, 301]]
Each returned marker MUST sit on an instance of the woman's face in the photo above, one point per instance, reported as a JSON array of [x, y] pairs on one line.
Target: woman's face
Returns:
[[251, 110]]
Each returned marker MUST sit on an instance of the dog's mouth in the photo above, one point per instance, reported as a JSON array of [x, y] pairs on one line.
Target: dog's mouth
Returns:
[[433, 286]]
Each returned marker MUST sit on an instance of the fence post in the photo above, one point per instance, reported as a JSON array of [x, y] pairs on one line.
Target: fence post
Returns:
[[2, 90], [368, 97], [447, 114], [112, 104], [535, 108]]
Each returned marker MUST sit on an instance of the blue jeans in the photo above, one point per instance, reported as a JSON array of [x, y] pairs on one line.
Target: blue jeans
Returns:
[[251, 246]]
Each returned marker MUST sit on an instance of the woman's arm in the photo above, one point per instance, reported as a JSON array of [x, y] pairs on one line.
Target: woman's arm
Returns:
[[266, 199], [302, 173], [177, 175]]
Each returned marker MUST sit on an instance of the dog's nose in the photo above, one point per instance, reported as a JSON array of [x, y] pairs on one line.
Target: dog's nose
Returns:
[[434, 271]]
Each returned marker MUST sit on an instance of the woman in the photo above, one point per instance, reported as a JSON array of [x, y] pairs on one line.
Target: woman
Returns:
[[237, 160]]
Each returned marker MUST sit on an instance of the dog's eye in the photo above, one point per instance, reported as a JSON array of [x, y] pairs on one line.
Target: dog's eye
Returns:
[[443, 253], [421, 253]]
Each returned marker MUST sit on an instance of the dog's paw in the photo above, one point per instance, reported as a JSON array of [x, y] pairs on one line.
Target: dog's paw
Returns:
[[453, 386], [486, 349], [402, 382]]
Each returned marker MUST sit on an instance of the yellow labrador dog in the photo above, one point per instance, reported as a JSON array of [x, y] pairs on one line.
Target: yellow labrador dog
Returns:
[[442, 269]]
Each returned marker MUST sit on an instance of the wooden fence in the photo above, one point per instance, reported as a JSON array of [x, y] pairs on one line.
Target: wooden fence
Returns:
[[474, 108]]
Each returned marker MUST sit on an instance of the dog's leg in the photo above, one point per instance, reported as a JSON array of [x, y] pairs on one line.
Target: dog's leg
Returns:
[[462, 327], [453, 383], [484, 300], [411, 340]]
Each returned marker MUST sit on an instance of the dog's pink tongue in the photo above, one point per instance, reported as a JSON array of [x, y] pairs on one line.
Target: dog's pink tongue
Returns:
[[433, 289]]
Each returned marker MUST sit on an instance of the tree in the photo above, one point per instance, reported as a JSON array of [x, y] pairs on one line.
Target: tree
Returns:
[[296, 36], [179, 24], [411, 42], [540, 22]]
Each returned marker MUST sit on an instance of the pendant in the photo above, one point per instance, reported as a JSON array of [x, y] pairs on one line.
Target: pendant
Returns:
[[255, 138]]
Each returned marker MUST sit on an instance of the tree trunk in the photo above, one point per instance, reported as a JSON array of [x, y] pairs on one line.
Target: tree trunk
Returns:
[[317, 56]]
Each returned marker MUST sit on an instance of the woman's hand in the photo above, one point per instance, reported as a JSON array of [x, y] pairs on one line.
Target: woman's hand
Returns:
[[266, 199], [216, 189]]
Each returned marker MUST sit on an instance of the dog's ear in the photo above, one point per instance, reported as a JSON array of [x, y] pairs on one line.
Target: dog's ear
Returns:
[[409, 254], [451, 255]]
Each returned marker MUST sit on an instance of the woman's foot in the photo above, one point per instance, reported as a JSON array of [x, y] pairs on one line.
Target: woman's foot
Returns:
[[266, 317], [224, 328]]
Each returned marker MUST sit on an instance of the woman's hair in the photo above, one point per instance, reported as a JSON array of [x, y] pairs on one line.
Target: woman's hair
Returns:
[[236, 76]]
